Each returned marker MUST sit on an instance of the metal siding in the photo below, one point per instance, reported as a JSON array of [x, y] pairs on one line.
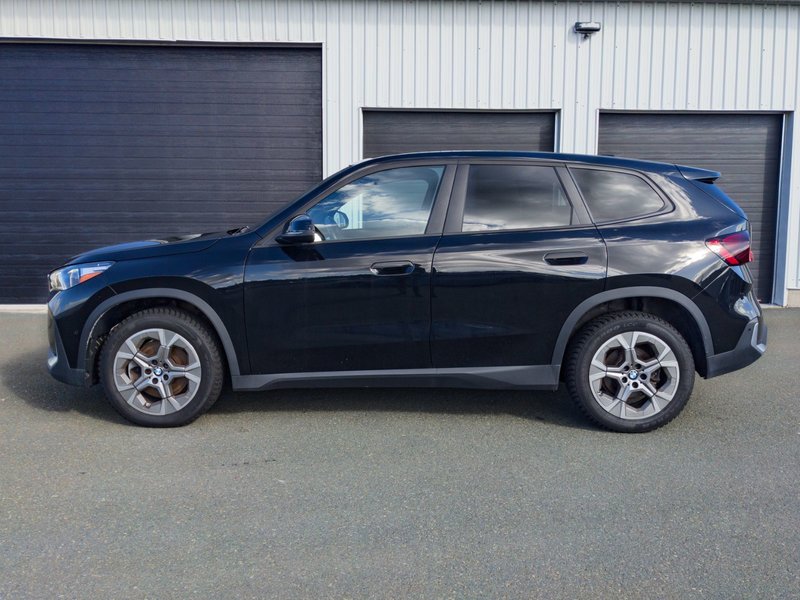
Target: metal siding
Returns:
[[102, 145], [745, 148], [499, 55]]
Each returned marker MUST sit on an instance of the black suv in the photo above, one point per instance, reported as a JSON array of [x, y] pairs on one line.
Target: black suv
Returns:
[[449, 269]]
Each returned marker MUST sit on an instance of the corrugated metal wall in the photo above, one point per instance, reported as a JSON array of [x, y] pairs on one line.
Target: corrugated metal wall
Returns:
[[511, 55]]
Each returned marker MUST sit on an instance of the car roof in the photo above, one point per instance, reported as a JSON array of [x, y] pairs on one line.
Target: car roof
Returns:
[[589, 159]]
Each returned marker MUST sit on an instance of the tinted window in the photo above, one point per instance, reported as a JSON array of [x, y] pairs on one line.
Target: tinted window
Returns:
[[391, 203], [514, 197], [612, 196]]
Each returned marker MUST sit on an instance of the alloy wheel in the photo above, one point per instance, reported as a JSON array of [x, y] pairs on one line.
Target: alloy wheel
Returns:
[[634, 375], [157, 371]]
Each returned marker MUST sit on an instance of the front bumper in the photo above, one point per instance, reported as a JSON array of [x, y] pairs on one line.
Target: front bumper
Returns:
[[751, 345], [57, 362]]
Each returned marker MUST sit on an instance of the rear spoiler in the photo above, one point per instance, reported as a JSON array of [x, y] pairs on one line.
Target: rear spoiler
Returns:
[[696, 174]]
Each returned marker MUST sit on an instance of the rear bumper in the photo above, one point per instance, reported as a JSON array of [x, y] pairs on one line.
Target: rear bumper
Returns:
[[752, 344], [57, 362]]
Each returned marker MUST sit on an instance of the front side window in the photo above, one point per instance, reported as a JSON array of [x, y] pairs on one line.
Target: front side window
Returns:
[[506, 197], [614, 196], [391, 203]]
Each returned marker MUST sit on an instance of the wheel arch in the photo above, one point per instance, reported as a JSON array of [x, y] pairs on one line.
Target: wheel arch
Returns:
[[701, 348], [88, 352]]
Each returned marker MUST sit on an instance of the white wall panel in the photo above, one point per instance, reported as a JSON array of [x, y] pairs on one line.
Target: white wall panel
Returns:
[[492, 55]]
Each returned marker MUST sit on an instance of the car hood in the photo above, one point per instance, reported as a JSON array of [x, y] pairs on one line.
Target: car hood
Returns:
[[150, 248]]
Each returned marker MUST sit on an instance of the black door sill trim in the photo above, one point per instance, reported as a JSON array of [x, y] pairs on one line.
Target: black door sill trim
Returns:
[[537, 377]]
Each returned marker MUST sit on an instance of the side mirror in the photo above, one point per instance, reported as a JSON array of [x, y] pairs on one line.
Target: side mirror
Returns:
[[300, 230]]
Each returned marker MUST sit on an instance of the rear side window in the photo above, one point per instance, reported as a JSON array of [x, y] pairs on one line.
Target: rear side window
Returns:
[[506, 197], [613, 196]]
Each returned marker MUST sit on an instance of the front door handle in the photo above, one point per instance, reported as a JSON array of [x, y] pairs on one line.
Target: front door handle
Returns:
[[566, 258], [397, 267]]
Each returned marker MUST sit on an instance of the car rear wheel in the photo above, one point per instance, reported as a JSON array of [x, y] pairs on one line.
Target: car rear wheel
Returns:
[[630, 372], [161, 368]]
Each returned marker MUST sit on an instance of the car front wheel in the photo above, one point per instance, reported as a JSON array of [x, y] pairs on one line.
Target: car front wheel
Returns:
[[161, 367], [630, 371]]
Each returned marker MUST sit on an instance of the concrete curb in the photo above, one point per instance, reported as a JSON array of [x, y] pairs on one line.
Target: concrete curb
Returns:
[[23, 308]]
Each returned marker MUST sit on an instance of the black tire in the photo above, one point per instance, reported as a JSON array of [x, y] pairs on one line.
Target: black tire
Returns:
[[194, 334], [602, 333]]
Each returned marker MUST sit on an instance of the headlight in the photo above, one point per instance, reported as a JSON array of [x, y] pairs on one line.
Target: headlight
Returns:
[[67, 277]]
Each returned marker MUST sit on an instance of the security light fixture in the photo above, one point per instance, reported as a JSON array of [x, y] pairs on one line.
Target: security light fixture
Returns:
[[587, 28]]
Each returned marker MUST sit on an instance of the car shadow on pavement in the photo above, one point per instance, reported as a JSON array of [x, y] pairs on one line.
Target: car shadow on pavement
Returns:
[[548, 407], [26, 377]]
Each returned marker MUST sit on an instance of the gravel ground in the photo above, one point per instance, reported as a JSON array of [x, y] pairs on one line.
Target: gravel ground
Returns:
[[399, 493]]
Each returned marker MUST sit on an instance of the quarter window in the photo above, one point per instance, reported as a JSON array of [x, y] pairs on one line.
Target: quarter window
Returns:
[[507, 197], [613, 196], [391, 203]]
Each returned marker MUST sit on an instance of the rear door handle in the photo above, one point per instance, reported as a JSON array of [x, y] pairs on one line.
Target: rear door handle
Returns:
[[566, 258], [397, 267]]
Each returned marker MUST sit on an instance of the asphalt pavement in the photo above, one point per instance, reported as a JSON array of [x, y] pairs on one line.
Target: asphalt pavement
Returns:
[[399, 493]]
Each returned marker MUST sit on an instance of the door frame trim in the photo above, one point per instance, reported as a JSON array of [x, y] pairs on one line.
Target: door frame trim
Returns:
[[159, 42]]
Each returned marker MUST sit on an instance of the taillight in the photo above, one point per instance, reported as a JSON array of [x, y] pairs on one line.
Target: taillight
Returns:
[[734, 248]]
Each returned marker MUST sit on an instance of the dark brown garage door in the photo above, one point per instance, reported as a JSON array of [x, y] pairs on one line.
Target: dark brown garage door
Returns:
[[396, 131], [102, 144], [745, 148]]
